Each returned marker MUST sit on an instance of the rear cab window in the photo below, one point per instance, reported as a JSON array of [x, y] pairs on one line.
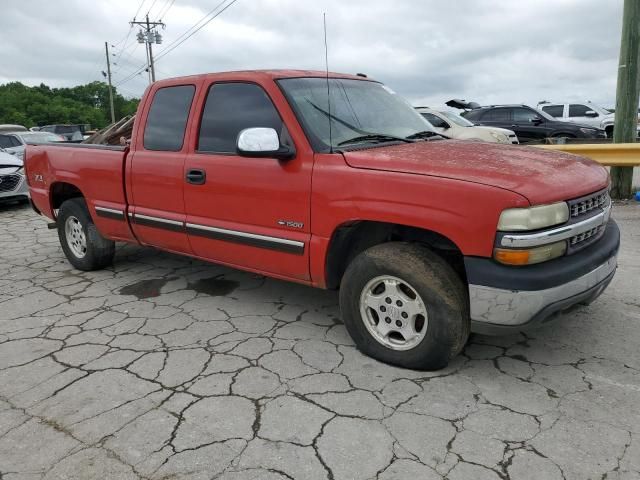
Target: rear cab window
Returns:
[[231, 107], [167, 118]]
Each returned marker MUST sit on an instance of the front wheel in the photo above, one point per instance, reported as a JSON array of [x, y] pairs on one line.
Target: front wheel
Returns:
[[404, 305], [81, 242]]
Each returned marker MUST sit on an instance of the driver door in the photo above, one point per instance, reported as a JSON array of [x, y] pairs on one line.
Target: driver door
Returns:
[[247, 212]]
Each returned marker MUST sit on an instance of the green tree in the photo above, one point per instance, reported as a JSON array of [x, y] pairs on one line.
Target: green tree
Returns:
[[43, 105]]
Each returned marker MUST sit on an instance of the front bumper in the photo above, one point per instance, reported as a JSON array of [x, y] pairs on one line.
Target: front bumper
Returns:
[[510, 299], [10, 189]]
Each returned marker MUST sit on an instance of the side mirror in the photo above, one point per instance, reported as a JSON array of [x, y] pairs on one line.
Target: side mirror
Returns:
[[262, 142], [590, 113], [536, 120]]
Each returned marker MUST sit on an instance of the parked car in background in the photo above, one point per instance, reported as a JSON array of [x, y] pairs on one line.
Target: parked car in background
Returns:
[[6, 127], [426, 238], [584, 113], [11, 144], [454, 126], [528, 123], [12, 182], [15, 142], [72, 133]]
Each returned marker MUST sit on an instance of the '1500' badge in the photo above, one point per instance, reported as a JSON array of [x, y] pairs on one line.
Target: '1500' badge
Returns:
[[290, 224]]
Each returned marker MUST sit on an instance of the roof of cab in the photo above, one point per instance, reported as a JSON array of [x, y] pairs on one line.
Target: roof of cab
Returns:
[[271, 74]]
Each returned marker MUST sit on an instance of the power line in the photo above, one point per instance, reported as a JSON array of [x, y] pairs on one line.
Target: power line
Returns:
[[124, 45], [164, 11], [183, 34], [139, 8], [152, 5], [183, 37], [170, 48]]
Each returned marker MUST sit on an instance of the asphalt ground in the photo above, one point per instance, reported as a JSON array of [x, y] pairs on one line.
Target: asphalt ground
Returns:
[[165, 367]]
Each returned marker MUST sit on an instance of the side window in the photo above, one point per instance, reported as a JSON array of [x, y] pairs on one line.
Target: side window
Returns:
[[229, 109], [167, 118], [472, 115], [15, 142], [524, 115], [554, 110], [577, 110], [435, 120], [496, 115]]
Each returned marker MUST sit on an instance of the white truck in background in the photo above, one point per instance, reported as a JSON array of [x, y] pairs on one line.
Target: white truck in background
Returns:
[[586, 113]]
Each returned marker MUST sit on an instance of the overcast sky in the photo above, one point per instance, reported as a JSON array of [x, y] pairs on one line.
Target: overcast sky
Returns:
[[489, 51]]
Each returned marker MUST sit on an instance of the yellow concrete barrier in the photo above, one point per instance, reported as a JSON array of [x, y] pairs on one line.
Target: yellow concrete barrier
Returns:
[[607, 154]]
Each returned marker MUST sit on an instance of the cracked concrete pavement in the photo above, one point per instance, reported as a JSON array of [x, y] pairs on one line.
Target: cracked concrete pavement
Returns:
[[165, 367]]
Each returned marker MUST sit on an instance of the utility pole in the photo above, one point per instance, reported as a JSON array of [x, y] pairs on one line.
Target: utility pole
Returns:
[[106, 50], [149, 36], [626, 119]]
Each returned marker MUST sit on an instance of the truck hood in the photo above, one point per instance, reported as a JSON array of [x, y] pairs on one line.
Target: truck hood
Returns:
[[539, 175]]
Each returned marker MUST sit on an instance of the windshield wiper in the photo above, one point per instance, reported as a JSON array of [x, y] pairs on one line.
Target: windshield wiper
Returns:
[[380, 137], [426, 134], [360, 138]]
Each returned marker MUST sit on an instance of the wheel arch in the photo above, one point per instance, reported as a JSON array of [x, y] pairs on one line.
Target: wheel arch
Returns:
[[59, 192], [351, 238]]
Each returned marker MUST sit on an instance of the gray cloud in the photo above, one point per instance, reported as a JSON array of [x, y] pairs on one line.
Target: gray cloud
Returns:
[[490, 51]]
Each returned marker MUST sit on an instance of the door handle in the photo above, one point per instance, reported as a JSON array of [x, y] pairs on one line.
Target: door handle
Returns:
[[196, 176]]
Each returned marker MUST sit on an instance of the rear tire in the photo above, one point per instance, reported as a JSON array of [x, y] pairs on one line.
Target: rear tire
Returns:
[[81, 242], [403, 304], [609, 132]]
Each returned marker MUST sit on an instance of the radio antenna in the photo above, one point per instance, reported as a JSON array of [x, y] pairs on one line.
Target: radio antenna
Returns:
[[326, 65]]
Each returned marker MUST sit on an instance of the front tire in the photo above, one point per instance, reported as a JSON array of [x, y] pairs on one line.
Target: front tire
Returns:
[[81, 242], [403, 304]]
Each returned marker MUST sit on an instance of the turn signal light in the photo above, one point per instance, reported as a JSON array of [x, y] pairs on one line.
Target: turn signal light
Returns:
[[530, 256], [512, 257]]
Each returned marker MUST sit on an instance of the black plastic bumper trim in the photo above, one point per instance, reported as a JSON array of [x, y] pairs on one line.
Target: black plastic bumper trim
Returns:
[[489, 273]]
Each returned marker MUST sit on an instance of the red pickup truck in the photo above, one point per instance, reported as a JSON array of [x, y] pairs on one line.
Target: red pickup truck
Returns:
[[426, 238]]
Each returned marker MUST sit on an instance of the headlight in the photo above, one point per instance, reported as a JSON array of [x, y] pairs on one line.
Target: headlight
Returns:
[[20, 171], [534, 218], [500, 138], [531, 255]]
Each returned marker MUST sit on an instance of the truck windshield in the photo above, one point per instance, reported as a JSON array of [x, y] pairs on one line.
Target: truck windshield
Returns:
[[362, 112]]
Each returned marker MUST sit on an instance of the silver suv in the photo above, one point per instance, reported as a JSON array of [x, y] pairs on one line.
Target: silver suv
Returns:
[[586, 113], [12, 182]]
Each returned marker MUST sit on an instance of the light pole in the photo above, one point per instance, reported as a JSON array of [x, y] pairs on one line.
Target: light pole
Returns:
[[108, 75], [626, 119], [149, 35]]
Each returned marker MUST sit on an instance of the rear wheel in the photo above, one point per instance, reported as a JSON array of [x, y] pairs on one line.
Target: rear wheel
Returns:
[[403, 304], [609, 131], [563, 136], [81, 242]]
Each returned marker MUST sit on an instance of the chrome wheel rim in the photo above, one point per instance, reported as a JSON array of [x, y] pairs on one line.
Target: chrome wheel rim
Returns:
[[76, 239], [393, 312]]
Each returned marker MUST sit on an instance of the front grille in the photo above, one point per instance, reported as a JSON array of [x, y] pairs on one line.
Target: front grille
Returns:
[[9, 182], [584, 205], [584, 236]]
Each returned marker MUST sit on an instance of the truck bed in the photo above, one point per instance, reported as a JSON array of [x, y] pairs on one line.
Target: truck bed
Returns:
[[97, 171]]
